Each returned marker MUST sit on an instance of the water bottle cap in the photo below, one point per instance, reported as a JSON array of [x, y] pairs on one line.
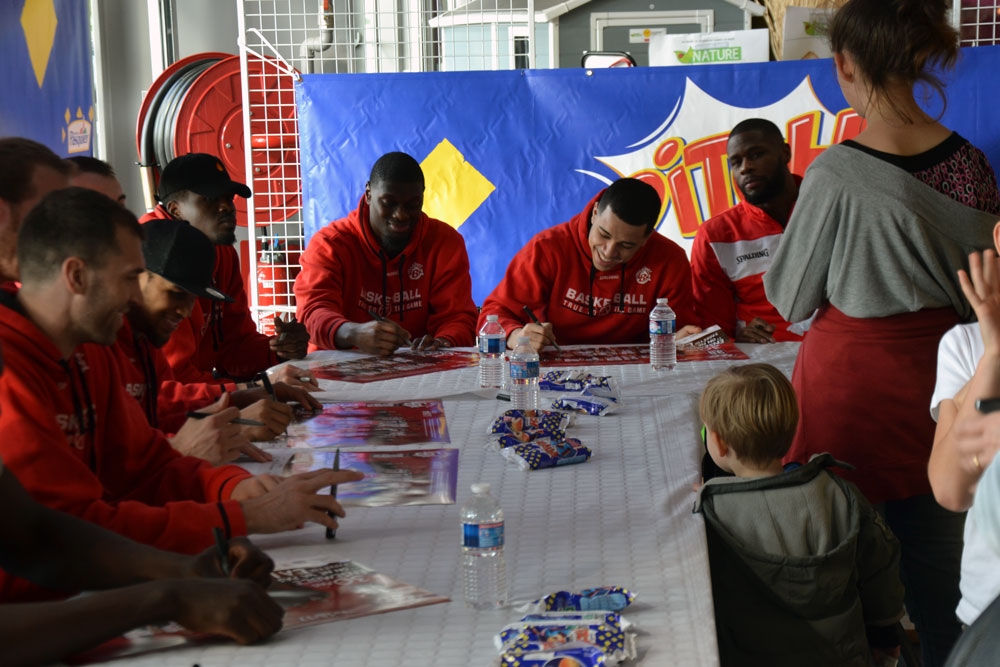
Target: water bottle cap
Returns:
[[492, 318], [523, 340], [481, 488], [662, 301]]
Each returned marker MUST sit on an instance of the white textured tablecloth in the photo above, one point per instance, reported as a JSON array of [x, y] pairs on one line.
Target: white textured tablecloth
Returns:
[[623, 518]]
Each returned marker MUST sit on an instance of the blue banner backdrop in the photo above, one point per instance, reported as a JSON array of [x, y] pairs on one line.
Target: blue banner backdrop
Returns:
[[46, 74], [509, 153]]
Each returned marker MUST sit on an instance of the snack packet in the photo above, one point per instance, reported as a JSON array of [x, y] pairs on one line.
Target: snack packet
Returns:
[[588, 405], [609, 598], [550, 635], [577, 655], [564, 381], [516, 421], [546, 453], [512, 439], [603, 385]]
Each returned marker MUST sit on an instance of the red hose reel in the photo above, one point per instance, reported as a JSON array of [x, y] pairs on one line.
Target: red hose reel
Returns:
[[196, 106]]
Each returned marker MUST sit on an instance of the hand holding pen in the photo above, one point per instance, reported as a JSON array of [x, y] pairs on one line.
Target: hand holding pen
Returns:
[[237, 558], [213, 434], [540, 333], [291, 339], [381, 336], [293, 501]]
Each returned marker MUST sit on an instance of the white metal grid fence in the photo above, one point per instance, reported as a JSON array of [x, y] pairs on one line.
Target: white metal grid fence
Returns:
[[979, 22], [281, 38]]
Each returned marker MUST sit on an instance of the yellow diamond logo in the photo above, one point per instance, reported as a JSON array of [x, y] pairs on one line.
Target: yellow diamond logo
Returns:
[[454, 188], [38, 21]]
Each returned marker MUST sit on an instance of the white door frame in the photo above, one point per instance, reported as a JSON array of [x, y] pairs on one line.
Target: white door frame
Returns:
[[601, 20]]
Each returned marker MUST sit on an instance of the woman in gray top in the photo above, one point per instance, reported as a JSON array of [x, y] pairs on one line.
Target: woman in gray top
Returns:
[[880, 228]]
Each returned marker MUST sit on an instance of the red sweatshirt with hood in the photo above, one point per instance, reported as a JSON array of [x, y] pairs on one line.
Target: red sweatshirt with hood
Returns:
[[554, 275], [79, 443], [148, 378], [426, 288], [219, 340]]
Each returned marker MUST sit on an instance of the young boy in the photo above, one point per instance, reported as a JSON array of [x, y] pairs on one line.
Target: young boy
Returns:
[[799, 555]]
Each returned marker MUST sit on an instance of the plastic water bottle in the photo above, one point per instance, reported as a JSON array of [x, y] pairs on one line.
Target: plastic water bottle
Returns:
[[662, 330], [492, 343], [524, 376], [484, 572]]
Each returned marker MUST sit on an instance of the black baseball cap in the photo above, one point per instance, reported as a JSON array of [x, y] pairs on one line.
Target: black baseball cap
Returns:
[[181, 254], [201, 173]]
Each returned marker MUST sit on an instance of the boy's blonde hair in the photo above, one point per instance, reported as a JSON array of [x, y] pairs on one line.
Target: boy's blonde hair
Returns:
[[753, 410]]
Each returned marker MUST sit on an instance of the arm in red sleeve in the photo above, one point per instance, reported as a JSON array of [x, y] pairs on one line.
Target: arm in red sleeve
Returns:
[[183, 350], [176, 399], [452, 312], [36, 450], [714, 298], [319, 290], [243, 351], [522, 285]]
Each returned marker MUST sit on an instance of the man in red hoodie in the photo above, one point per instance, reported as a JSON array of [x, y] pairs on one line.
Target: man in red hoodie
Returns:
[[69, 431], [179, 265], [387, 275], [220, 341], [28, 172], [595, 278]]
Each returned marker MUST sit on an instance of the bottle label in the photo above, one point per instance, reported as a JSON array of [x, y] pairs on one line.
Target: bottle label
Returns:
[[482, 535], [524, 370], [490, 345], [662, 327]]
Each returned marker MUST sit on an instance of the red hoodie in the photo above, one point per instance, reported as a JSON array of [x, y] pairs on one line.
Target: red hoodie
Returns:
[[78, 443], [426, 289], [148, 378], [554, 275], [219, 340]]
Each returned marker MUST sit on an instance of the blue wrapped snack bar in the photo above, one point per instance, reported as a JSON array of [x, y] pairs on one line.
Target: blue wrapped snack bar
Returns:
[[517, 421], [588, 405], [545, 637], [564, 381], [546, 453], [608, 598], [606, 617], [534, 625], [514, 439], [582, 655]]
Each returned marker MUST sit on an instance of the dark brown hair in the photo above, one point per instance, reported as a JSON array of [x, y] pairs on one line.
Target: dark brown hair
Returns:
[[18, 159], [897, 42], [75, 222]]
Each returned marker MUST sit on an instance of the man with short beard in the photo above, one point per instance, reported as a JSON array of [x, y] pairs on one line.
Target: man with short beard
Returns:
[[220, 341], [179, 265], [68, 430], [732, 251]]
